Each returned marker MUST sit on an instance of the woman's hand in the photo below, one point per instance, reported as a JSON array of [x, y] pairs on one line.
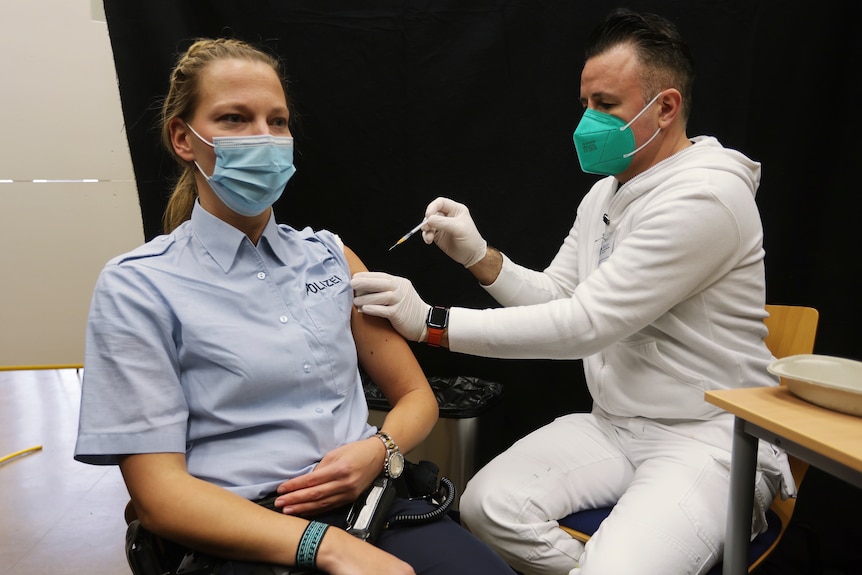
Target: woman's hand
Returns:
[[339, 479]]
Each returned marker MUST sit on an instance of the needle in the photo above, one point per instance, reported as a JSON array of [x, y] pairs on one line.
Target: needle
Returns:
[[406, 236]]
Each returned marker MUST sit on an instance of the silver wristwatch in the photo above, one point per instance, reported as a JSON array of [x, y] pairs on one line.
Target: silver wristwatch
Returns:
[[393, 465]]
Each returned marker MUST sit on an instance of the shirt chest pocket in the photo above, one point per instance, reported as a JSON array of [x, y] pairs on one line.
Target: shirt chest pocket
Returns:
[[329, 309], [329, 315]]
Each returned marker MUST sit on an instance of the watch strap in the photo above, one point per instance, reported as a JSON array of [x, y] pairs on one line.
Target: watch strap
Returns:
[[391, 450], [388, 442], [437, 321]]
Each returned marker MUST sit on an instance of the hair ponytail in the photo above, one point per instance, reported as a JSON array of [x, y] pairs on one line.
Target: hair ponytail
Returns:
[[181, 202]]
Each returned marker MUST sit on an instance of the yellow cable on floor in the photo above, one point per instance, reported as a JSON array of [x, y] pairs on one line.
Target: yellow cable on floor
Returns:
[[17, 453]]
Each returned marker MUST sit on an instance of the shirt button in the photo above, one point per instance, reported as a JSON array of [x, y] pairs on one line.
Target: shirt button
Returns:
[[283, 319], [318, 410], [306, 367], [261, 275]]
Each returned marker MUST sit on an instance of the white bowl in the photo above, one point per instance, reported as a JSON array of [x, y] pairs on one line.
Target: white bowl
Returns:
[[831, 382]]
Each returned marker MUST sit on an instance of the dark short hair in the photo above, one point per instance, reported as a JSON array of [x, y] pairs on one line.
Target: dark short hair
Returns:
[[663, 52]]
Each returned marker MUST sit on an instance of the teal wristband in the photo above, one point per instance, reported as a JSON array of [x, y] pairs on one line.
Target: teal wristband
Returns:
[[306, 552]]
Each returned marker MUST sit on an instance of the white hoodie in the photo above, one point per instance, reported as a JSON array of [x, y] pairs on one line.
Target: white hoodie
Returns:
[[676, 305]]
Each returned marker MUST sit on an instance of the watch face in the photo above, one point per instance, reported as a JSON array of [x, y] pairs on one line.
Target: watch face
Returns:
[[396, 465], [438, 317]]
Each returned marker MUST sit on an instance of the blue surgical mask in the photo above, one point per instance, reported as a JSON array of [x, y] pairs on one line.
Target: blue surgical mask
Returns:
[[605, 144], [250, 171]]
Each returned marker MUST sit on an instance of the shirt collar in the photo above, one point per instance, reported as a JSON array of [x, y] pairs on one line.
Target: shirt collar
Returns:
[[272, 237], [223, 241]]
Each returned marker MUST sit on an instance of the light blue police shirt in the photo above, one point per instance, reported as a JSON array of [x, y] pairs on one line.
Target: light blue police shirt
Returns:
[[239, 356]]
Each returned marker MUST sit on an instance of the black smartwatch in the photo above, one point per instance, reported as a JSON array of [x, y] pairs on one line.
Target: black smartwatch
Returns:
[[438, 320]]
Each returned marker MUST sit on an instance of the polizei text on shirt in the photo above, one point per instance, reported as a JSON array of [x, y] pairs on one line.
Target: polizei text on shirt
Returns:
[[320, 285]]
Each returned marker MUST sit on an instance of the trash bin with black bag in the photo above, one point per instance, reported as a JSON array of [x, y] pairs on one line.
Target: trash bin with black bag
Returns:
[[466, 435]]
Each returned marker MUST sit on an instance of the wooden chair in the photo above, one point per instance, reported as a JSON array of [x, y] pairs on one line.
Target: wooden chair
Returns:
[[792, 330]]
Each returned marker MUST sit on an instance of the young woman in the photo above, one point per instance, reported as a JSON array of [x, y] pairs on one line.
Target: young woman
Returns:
[[222, 358]]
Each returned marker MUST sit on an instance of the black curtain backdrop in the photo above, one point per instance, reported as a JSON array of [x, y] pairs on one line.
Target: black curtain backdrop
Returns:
[[398, 102]]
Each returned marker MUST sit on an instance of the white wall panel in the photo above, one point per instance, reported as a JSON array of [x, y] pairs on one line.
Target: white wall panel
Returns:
[[62, 121]]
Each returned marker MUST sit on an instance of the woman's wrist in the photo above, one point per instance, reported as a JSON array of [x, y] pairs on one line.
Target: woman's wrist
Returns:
[[381, 451], [309, 544], [334, 549]]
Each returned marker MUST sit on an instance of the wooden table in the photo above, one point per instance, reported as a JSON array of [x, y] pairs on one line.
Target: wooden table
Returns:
[[826, 439]]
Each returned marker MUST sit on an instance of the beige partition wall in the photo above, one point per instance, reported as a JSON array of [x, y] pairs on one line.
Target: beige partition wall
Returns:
[[68, 200]]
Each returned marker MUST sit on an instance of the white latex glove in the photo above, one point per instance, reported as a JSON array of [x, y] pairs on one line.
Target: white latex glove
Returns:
[[450, 226], [393, 298]]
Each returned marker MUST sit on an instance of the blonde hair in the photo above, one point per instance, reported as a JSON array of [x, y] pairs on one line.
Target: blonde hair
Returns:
[[181, 101]]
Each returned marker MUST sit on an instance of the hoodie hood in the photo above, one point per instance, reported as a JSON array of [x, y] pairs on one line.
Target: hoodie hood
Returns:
[[707, 153]]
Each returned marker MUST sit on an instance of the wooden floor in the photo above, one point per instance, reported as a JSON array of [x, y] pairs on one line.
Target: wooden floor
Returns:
[[57, 516]]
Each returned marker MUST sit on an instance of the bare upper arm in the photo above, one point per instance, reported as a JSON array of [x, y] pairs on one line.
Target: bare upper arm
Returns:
[[382, 352]]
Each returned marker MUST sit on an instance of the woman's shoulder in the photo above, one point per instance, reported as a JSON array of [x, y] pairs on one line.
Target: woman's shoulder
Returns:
[[155, 247], [155, 250], [310, 235]]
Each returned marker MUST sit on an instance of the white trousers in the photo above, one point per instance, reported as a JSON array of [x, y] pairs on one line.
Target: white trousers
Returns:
[[668, 483]]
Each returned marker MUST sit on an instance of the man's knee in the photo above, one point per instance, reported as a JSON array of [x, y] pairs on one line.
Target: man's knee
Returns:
[[481, 499]]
